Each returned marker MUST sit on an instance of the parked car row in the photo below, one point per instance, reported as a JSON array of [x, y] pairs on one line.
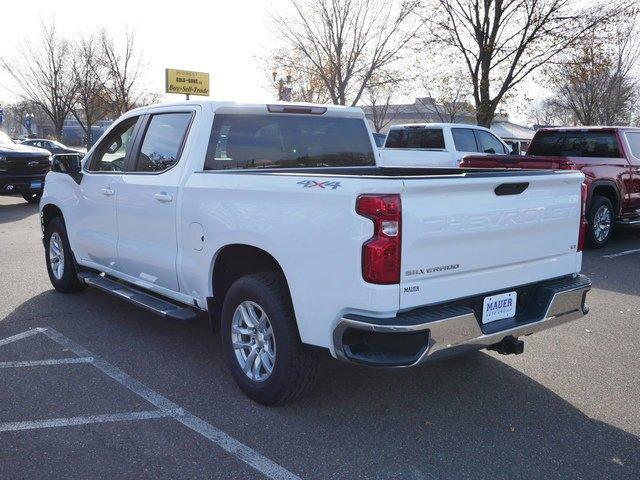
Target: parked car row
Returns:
[[285, 225], [24, 165]]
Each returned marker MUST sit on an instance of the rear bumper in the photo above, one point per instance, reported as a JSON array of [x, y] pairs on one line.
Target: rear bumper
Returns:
[[10, 184], [430, 333]]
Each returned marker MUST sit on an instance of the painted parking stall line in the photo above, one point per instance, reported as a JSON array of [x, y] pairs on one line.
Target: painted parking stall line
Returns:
[[20, 336], [41, 363], [166, 408], [620, 254], [82, 420]]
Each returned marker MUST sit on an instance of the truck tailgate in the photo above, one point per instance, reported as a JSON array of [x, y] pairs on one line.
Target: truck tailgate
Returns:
[[461, 238]]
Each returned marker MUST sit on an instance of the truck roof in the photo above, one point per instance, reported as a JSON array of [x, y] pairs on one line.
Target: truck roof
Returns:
[[587, 129], [435, 125], [334, 110]]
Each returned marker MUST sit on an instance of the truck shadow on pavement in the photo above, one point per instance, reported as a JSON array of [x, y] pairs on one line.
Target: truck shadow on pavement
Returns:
[[16, 211], [470, 417]]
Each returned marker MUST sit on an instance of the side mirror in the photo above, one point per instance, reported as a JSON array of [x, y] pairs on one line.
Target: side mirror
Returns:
[[67, 163]]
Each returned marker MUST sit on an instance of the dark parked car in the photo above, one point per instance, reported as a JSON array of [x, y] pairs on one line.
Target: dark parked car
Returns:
[[51, 145], [22, 169]]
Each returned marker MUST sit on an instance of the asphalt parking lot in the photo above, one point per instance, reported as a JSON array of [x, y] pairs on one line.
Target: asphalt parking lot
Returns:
[[91, 387]]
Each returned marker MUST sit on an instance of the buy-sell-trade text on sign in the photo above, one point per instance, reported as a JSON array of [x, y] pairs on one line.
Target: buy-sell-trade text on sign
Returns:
[[187, 82]]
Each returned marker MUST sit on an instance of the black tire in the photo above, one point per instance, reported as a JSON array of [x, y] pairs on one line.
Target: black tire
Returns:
[[295, 366], [32, 197], [596, 237], [68, 281]]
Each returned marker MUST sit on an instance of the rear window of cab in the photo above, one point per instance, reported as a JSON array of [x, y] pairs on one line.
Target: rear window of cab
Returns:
[[428, 138], [594, 144], [241, 141]]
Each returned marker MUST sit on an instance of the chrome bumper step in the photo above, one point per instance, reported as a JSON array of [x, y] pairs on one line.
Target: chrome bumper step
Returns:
[[154, 304], [429, 333]]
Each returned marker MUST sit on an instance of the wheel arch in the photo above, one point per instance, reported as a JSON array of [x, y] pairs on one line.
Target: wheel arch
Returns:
[[48, 213], [608, 189], [232, 262]]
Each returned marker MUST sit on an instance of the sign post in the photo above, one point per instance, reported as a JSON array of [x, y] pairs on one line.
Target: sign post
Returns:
[[186, 82]]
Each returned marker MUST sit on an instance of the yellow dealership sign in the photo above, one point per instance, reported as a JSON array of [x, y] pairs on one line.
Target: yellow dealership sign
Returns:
[[187, 82]]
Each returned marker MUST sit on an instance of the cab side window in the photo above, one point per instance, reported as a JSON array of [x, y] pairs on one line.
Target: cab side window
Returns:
[[634, 143], [489, 143], [110, 154], [464, 139], [163, 140]]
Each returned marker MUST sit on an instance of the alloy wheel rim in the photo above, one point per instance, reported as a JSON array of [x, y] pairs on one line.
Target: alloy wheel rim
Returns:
[[56, 255], [253, 341], [602, 223]]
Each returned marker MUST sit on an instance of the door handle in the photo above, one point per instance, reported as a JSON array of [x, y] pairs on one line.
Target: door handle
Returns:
[[108, 191], [163, 197]]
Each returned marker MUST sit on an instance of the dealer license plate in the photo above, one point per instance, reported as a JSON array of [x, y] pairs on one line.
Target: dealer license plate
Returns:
[[497, 307]]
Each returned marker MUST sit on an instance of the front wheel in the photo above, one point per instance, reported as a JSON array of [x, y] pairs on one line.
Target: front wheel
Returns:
[[261, 342], [32, 197], [600, 220], [60, 265]]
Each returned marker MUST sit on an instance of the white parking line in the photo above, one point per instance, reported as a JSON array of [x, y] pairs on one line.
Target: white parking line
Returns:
[[82, 420], [20, 336], [166, 408], [39, 363], [626, 252]]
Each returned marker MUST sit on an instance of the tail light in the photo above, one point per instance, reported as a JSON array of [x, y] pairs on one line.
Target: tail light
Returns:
[[381, 253], [583, 219]]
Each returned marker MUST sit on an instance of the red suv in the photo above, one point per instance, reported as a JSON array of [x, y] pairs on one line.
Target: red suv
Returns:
[[609, 157]]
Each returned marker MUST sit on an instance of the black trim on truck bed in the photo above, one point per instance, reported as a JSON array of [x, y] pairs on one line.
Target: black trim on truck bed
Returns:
[[392, 172]]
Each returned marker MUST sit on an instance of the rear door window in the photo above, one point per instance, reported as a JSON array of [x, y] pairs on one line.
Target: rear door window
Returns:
[[634, 143], [489, 143], [240, 141], [464, 140], [427, 138], [575, 144]]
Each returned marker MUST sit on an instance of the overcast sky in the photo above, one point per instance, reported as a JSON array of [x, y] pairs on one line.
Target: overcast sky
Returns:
[[224, 38]]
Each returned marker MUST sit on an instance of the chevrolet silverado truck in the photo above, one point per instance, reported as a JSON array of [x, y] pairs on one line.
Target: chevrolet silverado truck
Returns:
[[22, 169], [278, 222], [438, 144], [609, 157]]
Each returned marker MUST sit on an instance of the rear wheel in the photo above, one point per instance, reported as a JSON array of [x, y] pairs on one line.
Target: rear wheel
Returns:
[[32, 197], [261, 342], [600, 220], [60, 265]]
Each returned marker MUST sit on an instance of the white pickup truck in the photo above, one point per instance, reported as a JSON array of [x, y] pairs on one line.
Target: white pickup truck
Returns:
[[277, 221], [438, 144]]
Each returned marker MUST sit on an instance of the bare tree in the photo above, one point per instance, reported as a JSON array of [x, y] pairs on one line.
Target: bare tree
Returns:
[[346, 42], [296, 72], [380, 109], [597, 82], [43, 75], [502, 42], [448, 95], [123, 72], [16, 115], [547, 112], [90, 103]]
